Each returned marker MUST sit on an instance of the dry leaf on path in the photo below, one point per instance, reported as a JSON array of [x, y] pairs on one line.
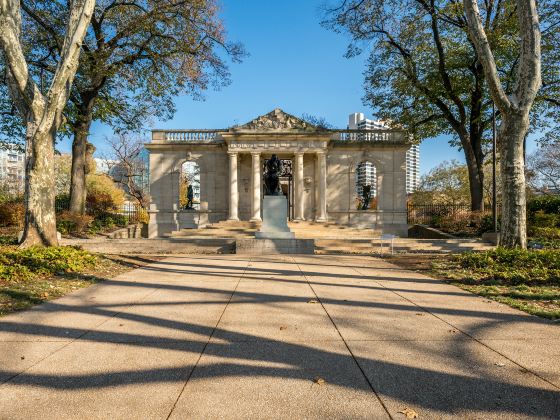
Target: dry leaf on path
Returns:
[[312, 301], [409, 413], [500, 364], [283, 327], [319, 381]]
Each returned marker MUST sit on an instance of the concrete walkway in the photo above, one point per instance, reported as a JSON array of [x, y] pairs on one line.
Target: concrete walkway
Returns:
[[279, 337]]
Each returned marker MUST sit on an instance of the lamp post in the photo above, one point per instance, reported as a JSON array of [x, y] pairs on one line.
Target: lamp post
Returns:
[[494, 204]]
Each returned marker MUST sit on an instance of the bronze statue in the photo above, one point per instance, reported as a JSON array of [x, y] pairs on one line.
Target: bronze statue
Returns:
[[272, 176], [190, 197], [366, 196]]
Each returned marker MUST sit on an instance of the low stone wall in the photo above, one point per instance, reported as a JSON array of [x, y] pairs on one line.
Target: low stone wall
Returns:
[[426, 232], [136, 231], [155, 246], [274, 246]]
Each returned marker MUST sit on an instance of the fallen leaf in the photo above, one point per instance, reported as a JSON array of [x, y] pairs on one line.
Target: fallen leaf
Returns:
[[319, 381], [420, 314], [22, 357], [452, 331], [312, 301], [409, 413], [283, 327], [500, 364]]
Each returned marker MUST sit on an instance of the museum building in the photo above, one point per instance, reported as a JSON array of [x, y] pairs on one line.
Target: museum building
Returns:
[[321, 176]]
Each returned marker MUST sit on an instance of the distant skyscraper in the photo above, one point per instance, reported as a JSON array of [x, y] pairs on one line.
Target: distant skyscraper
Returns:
[[358, 121], [366, 175], [12, 169]]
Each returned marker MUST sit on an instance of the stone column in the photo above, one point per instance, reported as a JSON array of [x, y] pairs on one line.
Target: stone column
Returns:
[[256, 182], [233, 187], [298, 196], [321, 215]]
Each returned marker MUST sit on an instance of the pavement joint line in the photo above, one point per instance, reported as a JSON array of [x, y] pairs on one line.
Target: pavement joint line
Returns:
[[466, 333], [68, 343], [345, 343], [248, 261]]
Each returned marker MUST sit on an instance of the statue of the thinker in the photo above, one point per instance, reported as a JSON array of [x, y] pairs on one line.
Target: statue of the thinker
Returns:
[[272, 176]]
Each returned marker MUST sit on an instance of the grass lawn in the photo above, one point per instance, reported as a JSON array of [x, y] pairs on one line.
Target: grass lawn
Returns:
[[33, 276], [526, 280]]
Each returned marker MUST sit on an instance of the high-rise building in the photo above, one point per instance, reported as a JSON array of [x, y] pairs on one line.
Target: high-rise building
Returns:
[[12, 169], [358, 121], [366, 174]]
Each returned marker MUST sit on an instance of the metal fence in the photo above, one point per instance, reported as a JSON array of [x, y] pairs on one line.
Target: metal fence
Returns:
[[432, 214], [131, 212]]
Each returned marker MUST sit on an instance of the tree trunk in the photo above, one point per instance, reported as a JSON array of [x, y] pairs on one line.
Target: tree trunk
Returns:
[[473, 157], [476, 185], [511, 137], [78, 191], [40, 214]]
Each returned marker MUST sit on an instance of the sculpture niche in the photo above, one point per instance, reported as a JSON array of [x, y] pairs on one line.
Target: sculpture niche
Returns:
[[272, 176], [275, 205]]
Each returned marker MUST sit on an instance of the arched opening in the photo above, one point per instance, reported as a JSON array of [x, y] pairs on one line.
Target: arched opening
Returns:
[[366, 186], [189, 186]]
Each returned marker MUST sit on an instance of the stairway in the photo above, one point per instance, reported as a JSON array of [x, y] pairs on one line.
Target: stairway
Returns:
[[302, 230], [331, 238]]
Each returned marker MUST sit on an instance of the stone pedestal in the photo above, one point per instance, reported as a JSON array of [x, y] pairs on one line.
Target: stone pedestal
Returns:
[[275, 219]]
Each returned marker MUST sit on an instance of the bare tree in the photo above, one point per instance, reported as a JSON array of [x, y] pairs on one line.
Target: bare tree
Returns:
[[544, 167], [514, 109], [129, 168], [42, 113]]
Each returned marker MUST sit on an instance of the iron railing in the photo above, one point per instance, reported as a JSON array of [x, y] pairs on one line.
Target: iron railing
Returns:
[[131, 212], [433, 214]]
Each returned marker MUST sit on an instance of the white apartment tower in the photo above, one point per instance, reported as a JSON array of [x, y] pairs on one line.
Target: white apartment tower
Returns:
[[358, 121], [12, 169]]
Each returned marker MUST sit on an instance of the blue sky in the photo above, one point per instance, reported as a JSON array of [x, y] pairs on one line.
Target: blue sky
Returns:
[[294, 64]]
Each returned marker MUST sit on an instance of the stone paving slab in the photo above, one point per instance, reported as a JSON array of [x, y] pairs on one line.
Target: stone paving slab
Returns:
[[541, 356], [276, 380], [454, 379], [247, 337], [101, 380]]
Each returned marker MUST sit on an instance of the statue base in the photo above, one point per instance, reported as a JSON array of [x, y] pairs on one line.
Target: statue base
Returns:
[[275, 219]]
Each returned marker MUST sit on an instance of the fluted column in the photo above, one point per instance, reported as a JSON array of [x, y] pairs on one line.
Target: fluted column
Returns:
[[233, 187], [321, 215], [256, 181], [299, 209]]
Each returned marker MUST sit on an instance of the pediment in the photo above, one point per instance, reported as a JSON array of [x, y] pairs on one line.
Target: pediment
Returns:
[[277, 120]]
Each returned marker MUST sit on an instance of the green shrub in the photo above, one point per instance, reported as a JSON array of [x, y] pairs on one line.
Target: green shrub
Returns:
[[8, 240], [544, 232], [487, 224], [12, 213], [21, 265], [512, 266], [542, 219], [68, 222], [546, 203]]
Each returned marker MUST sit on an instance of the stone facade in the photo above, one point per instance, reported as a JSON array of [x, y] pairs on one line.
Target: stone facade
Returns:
[[323, 181]]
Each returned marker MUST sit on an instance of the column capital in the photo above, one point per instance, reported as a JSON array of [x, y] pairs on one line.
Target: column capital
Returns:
[[299, 153], [255, 153], [321, 152], [232, 152]]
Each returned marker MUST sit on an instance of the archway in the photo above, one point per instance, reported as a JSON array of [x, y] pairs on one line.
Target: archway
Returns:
[[366, 186], [189, 186]]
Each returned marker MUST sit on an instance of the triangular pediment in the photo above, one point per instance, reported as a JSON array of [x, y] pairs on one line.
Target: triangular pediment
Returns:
[[277, 120]]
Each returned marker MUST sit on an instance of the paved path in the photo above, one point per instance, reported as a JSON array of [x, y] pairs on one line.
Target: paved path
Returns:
[[231, 337]]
